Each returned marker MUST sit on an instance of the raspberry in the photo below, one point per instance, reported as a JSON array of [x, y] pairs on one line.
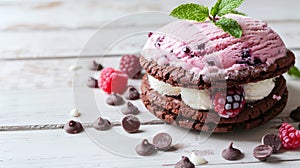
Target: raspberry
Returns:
[[111, 80], [231, 104], [289, 136], [130, 65]]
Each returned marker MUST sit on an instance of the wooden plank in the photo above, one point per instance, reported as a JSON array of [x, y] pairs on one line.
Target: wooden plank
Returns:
[[52, 106], [55, 148], [71, 43], [47, 73], [48, 14], [28, 32]]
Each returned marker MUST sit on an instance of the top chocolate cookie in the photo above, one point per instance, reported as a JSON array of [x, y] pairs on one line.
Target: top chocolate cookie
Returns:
[[195, 54]]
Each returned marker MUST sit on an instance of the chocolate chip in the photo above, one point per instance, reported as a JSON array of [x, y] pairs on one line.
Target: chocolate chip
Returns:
[[114, 100], [130, 109], [132, 93], [295, 114], [95, 66], [92, 82], [273, 141], [262, 152], [184, 163], [102, 124], [197, 159], [162, 141], [73, 127], [131, 124], [145, 148], [232, 153]]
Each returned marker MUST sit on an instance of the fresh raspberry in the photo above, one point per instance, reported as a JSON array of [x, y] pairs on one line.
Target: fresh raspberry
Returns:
[[231, 104], [111, 80], [289, 136], [130, 65]]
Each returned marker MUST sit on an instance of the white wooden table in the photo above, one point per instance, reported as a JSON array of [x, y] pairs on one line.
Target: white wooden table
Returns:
[[41, 39]]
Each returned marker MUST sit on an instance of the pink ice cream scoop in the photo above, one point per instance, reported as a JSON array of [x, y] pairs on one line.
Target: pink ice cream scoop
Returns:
[[195, 46]]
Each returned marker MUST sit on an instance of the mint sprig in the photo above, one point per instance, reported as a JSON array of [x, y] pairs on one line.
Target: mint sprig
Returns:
[[294, 71], [230, 26], [191, 12], [238, 13], [201, 13], [228, 6]]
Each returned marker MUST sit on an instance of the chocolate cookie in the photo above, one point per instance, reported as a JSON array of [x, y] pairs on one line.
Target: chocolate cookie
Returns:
[[177, 76], [174, 111]]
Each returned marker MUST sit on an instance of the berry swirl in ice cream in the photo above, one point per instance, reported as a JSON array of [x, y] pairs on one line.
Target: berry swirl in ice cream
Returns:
[[202, 50], [203, 43]]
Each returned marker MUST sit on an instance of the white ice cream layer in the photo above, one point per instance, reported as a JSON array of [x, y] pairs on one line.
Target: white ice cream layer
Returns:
[[259, 90], [196, 99], [162, 87], [200, 99]]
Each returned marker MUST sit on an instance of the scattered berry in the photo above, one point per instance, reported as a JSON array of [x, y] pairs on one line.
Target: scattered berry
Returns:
[[130, 65], [150, 34], [289, 136], [231, 104], [111, 80]]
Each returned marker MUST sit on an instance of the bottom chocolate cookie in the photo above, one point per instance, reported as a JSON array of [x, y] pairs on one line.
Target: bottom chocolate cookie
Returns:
[[174, 111]]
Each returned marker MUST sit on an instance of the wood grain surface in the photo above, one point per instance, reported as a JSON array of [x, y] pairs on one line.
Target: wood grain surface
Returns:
[[39, 42]]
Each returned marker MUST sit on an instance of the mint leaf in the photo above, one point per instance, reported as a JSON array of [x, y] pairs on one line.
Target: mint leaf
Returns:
[[191, 12], [228, 6], [294, 71], [238, 13], [230, 26], [215, 9]]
